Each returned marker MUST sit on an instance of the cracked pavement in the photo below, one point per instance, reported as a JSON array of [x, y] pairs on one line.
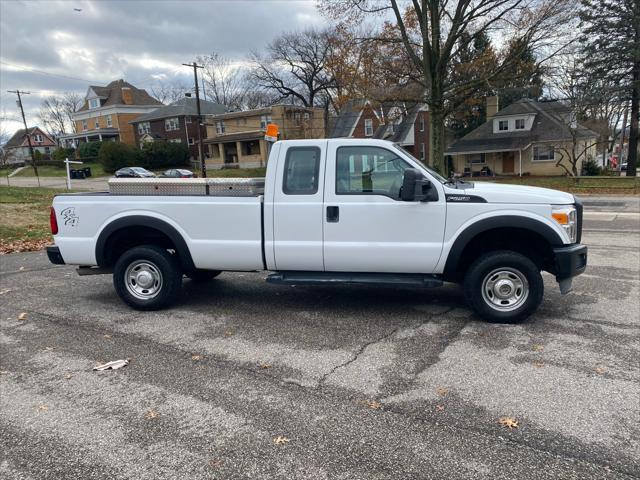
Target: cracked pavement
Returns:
[[366, 383]]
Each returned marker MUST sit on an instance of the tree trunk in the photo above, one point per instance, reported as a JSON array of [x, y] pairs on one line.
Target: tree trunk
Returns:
[[436, 139], [632, 158]]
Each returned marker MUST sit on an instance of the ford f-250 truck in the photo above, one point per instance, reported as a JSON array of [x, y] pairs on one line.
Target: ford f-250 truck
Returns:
[[328, 212]]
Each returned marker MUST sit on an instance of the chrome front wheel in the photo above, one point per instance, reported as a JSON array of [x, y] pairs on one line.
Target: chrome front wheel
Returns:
[[505, 289], [143, 279]]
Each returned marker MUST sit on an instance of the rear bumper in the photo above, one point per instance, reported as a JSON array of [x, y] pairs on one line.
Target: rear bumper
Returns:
[[55, 257], [570, 261]]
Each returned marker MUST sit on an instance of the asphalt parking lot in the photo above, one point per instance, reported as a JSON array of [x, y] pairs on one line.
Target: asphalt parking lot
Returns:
[[249, 380]]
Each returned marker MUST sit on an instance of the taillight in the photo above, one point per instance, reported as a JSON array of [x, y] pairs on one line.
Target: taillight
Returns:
[[53, 222]]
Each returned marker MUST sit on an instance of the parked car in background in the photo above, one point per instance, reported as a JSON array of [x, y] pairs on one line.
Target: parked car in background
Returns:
[[178, 173], [134, 172], [623, 167]]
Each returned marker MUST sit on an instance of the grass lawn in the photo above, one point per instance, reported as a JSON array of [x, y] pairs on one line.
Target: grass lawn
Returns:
[[51, 171], [24, 218], [592, 185]]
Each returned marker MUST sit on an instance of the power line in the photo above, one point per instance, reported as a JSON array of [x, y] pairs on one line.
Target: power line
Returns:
[[195, 67]]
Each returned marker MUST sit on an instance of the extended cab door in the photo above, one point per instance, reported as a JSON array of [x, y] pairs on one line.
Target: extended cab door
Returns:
[[367, 228], [298, 206]]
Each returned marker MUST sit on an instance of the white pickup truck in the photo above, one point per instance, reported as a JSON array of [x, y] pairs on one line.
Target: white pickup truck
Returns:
[[329, 211]]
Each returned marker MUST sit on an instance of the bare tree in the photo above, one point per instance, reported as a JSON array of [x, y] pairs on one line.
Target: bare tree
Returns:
[[432, 33], [225, 82], [294, 66], [169, 92], [56, 113]]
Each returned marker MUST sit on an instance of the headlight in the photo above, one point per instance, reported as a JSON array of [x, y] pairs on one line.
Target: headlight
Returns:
[[565, 216]]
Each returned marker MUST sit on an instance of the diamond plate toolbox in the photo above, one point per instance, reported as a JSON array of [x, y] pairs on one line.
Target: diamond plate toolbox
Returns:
[[217, 187]]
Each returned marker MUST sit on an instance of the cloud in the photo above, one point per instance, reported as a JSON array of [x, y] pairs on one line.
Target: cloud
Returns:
[[141, 41]]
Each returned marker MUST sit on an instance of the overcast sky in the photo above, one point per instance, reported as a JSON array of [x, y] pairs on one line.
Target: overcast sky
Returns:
[[138, 40]]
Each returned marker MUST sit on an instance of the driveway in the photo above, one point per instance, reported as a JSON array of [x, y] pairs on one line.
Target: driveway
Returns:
[[249, 380]]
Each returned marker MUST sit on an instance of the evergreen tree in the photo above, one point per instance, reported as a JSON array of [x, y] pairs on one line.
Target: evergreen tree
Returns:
[[611, 39]]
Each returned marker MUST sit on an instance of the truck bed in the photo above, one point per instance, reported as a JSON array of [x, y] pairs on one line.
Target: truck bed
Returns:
[[216, 187]]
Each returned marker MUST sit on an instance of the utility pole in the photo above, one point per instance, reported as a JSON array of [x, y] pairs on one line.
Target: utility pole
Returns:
[[26, 131], [203, 167]]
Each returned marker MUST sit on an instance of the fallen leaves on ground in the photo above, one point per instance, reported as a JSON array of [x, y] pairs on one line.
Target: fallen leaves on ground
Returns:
[[5, 290], [43, 407], [18, 246], [196, 357], [215, 463], [599, 370], [68, 376], [538, 364], [264, 366], [280, 440], [442, 391], [439, 408], [22, 316], [151, 414], [4, 372], [107, 336], [538, 348], [229, 332], [508, 422], [49, 349], [372, 404]]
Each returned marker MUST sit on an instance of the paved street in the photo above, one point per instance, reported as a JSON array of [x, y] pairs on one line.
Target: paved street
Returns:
[[364, 383]]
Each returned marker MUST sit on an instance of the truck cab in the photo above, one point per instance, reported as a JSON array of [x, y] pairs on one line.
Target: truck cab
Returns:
[[328, 211]]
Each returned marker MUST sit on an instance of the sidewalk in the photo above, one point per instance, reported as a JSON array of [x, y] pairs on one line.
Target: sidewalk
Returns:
[[98, 184]]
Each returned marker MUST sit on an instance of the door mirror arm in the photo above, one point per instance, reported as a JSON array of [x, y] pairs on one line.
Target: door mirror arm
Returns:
[[416, 188]]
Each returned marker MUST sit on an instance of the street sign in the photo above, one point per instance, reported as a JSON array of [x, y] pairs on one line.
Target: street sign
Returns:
[[271, 135]]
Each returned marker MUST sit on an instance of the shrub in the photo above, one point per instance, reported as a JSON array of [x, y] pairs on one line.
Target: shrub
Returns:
[[62, 153], [156, 155], [115, 155], [590, 168], [37, 156], [89, 149]]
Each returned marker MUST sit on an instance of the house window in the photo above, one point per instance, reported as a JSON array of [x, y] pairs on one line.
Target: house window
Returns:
[[306, 115], [422, 123], [187, 119], [422, 151], [175, 140], [85, 125], [94, 103], [543, 153], [38, 138], [191, 141], [478, 159], [109, 121], [503, 125], [519, 123], [220, 128], [97, 123], [171, 124], [264, 121], [368, 127], [144, 127], [296, 118]]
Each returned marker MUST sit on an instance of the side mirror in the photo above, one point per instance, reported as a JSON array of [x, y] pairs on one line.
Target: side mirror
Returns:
[[416, 188]]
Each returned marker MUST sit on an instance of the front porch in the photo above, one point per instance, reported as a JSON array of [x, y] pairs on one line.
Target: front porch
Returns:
[[238, 150], [99, 135], [491, 163]]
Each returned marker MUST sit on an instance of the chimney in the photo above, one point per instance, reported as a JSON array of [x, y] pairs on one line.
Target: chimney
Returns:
[[492, 106], [127, 96]]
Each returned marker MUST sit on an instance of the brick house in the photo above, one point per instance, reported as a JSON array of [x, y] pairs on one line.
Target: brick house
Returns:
[[17, 148], [107, 113], [175, 123], [236, 139], [404, 123]]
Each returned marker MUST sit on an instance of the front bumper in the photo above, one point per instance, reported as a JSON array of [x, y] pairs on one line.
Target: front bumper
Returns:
[[55, 257], [570, 261]]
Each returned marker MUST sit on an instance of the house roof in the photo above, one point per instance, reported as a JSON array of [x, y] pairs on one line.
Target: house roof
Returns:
[[399, 134], [348, 118], [18, 138], [113, 95], [184, 107], [549, 125]]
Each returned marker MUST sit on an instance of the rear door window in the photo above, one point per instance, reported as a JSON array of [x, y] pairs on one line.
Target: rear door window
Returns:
[[301, 171]]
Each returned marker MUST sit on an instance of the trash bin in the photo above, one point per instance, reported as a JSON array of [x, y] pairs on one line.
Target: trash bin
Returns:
[[73, 174], [80, 174], [87, 172]]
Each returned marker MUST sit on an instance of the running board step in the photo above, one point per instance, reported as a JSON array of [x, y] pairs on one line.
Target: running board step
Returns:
[[329, 278]]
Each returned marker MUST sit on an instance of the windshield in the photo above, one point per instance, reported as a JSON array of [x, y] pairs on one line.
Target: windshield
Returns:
[[139, 170], [435, 174]]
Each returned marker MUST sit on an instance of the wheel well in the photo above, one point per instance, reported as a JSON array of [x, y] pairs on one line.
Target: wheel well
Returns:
[[527, 242], [126, 238]]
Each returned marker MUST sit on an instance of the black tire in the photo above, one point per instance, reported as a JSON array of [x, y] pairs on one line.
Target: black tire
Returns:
[[202, 276], [492, 283], [160, 271]]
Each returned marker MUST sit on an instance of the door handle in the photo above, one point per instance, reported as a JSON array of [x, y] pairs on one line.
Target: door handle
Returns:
[[333, 214]]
